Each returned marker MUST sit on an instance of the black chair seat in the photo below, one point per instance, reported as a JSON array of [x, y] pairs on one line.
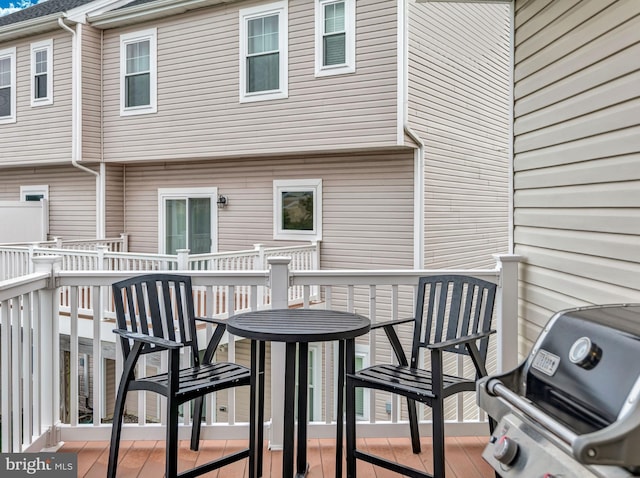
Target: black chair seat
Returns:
[[413, 383], [196, 381]]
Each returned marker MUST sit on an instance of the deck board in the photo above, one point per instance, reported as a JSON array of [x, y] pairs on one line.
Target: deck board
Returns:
[[145, 458]]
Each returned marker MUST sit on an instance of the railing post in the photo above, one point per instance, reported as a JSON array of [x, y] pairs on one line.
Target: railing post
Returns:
[[183, 259], [259, 265], [507, 312], [124, 245], [49, 349], [279, 281]]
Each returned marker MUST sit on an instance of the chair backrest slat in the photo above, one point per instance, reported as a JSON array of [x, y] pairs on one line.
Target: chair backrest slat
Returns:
[[449, 307], [157, 305]]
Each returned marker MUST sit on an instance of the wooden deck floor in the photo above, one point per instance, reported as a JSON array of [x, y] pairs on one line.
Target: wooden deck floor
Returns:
[[145, 459]]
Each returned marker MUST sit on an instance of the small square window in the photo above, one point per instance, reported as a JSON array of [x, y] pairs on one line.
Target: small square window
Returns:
[[297, 209]]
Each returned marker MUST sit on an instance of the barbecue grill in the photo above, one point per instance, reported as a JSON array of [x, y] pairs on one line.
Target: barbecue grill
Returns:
[[571, 409]]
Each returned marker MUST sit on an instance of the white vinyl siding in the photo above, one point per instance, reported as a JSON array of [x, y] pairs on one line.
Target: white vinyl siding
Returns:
[[342, 112], [335, 46], [91, 94], [42, 73], [8, 85], [576, 156], [25, 142], [138, 72], [459, 105], [264, 56]]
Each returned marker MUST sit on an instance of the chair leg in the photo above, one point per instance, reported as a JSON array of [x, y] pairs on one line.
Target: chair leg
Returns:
[[171, 467], [413, 425], [116, 428], [438, 438], [198, 405], [350, 397]]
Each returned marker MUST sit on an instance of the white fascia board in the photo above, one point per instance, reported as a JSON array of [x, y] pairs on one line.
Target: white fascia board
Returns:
[[30, 27], [148, 11], [79, 14]]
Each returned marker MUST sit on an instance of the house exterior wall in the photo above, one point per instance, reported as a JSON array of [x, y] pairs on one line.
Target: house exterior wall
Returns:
[[199, 114], [458, 60], [577, 156], [27, 141], [72, 197], [91, 93], [367, 203], [114, 200]]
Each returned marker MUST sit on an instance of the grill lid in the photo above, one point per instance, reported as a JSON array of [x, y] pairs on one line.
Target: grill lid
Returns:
[[583, 370]]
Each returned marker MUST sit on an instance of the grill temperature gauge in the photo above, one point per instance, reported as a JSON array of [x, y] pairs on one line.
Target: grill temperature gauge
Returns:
[[585, 353]]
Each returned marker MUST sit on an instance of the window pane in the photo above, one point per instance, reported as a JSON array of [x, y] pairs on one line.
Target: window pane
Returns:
[[40, 86], [138, 57], [334, 17], [41, 61], [297, 211], [176, 225], [359, 365], [200, 225], [137, 90], [263, 72], [262, 35], [5, 72], [334, 50], [5, 102]]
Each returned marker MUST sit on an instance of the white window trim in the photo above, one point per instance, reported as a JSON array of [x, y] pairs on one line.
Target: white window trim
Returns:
[[11, 54], [316, 370], [363, 351], [135, 37], [350, 40], [294, 185], [246, 14], [27, 190], [181, 193], [36, 47]]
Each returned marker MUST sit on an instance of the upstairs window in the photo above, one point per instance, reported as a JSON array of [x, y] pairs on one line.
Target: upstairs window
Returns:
[[335, 37], [263, 57], [42, 73], [138, 73], [8, 85]]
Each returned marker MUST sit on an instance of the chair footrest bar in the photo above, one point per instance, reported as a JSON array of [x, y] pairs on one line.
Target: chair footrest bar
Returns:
[[215, 464], [391, 465]]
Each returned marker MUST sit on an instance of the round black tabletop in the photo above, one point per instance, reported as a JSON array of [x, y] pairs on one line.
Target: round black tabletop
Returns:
[[298, 325]]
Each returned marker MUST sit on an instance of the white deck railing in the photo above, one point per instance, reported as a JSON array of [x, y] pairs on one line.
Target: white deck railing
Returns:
[[31, 328]]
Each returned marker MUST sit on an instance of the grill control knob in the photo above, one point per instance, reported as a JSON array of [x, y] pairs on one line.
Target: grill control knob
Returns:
[[505, 450], [585, 353]]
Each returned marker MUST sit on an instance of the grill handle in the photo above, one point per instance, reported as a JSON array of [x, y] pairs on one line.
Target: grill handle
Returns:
[[497, 388]]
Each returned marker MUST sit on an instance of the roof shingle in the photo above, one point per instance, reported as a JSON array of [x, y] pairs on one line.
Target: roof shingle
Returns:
[[40, 10]]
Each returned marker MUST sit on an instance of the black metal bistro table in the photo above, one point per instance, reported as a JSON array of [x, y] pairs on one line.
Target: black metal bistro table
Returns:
[[296, 328]]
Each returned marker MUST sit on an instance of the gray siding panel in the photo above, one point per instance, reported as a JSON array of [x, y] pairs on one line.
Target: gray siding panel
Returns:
[[459, 105], [199, 114], [27, 141], [367, 203], [91, 94], [577, 157]]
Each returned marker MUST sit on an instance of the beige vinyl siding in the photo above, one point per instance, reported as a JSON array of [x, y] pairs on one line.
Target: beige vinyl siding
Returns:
[[367, 203], [199, 113], [91, 93], [41, 134], [72, 193], [114, 200], [577, 156], [459, 105]]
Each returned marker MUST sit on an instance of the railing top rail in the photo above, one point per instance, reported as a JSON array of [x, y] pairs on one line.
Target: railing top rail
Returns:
[[381, 276], [21, 285]]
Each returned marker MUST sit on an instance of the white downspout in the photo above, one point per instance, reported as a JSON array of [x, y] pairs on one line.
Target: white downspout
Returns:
[[418, 168], [76, 121]]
